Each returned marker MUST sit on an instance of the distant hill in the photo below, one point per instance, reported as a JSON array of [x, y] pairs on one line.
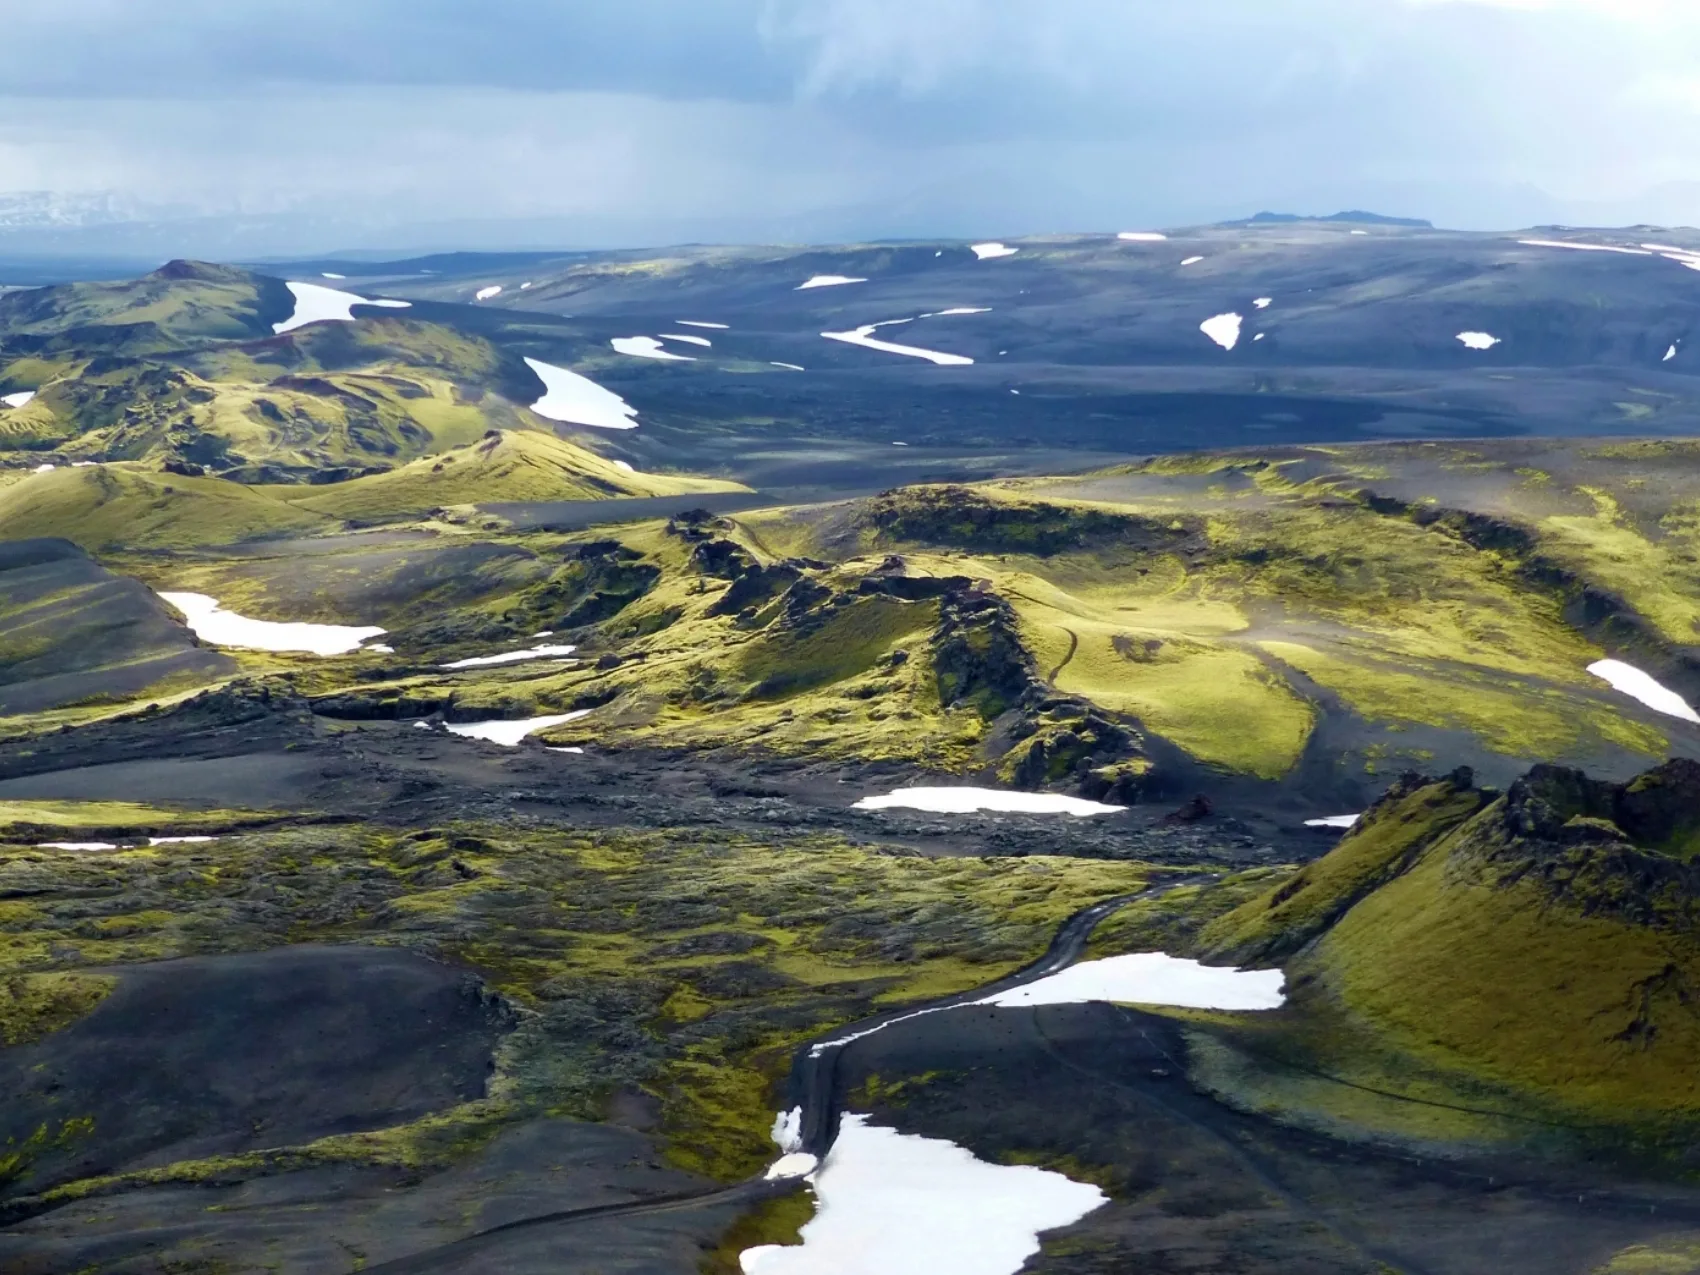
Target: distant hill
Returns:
[[1356, 216]]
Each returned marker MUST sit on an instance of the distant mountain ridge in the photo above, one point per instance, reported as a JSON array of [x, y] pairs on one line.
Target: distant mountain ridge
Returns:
[[1355, 216]]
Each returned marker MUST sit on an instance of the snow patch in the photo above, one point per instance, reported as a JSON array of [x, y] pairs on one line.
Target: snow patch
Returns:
[[1478, 340], [315, 303], [326, 274], [698, 323], [827, 281], [966, 801], [1142, 236], [1334, 821], [1669, 355], [1224, 329], [46, 467], [787, 1131], [525, 285], [989, 251], [1192, 261], [484, 294], [1633, 682], [1585, 247], [18, 399], [1149, 978], [794, 367], [864, 336], [686, 337], [646, 347], [960, 309], [890, 1203], [75, 845], [625, 465], [179, 841], [578, 400], [511, 657], [211, 623], [794, 1164], [1263, 303], [510, 733]]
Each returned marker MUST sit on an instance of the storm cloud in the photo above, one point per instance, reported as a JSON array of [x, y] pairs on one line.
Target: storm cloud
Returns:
[[318, 125]]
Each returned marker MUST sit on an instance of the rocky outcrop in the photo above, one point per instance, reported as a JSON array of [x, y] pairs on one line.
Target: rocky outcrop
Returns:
[[964, 519], [978, 655], [1620, 850]]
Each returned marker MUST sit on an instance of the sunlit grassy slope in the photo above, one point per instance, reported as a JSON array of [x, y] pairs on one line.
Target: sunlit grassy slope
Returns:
[[508, 466], [1527, 955], [114, 506]]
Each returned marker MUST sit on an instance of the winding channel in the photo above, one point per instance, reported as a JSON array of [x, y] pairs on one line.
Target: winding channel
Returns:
[[811, 1090]]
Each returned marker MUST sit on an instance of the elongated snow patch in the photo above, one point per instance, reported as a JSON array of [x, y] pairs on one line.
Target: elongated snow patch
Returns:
[[212, 623], [578, 400], [1584, 247], [646, 347], [512, 657], [966, 801], [315, 303], [484, 294], [699, 323], [1334, 821], [1224, 329], [890, 1203], [1669, 355], [1192, 261], [510, 733], [1478, 340], [687, 338], [1143, 236], [827, 281], [1631, 681], [990, 251], [864, 337], [75, 845], [18, 399], [1149, 978]]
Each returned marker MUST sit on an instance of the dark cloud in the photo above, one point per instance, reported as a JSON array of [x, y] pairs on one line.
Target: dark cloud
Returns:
[[642, 120]]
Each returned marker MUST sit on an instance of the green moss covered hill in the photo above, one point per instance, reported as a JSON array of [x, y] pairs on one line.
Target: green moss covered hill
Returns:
[[182, 369], [1478, 965]]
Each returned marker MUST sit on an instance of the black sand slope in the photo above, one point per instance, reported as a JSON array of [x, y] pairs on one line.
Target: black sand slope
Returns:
[[222, 1054], [1200, 1187], [1089, 343], [73, 632]]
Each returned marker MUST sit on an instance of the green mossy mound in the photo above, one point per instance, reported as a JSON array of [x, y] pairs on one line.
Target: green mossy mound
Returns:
[[1534, 953]]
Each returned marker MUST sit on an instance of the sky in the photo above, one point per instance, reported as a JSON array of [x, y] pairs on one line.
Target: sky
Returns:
[[312, 125]]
